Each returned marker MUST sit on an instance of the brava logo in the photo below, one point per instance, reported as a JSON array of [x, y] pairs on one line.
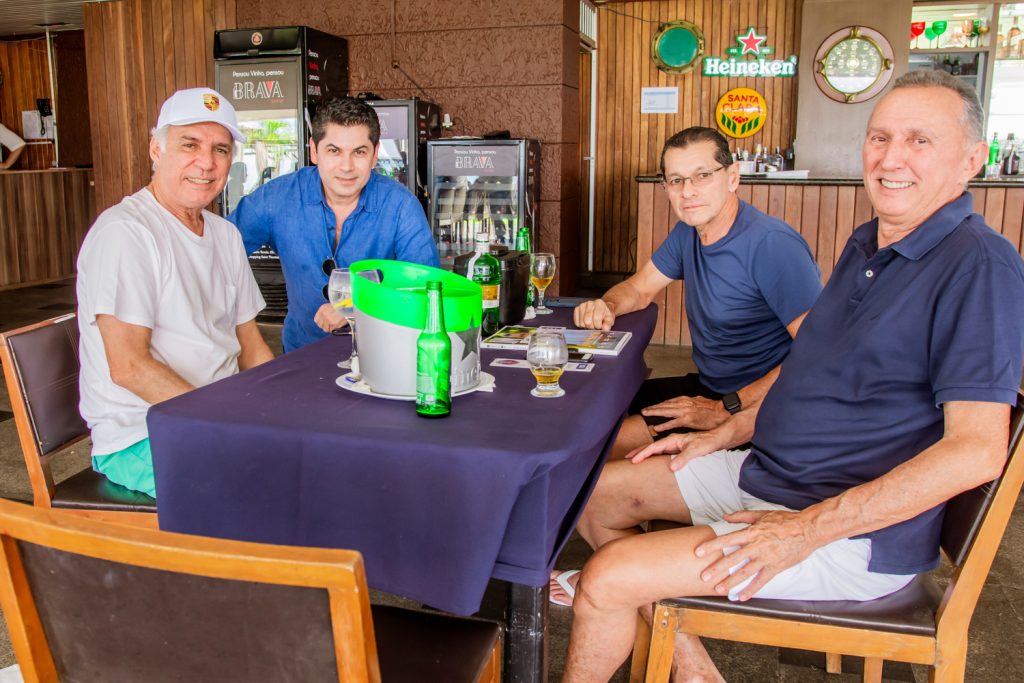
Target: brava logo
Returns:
[[258, 90], [473, 162]]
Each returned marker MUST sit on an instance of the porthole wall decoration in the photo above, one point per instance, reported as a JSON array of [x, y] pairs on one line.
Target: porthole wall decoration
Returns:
[[853, 64], [677, 47]]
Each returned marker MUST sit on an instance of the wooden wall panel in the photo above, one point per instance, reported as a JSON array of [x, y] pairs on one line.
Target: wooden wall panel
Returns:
[[44, 216], [26, 79], [825, 215], [138, 53], [629, 144]]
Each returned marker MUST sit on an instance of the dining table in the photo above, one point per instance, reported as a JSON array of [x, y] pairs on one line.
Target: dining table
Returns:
[[282, 453]]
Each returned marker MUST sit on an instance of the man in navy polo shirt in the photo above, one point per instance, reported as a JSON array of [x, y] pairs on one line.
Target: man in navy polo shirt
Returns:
[[894, 398], [750, 279], [333, 214]]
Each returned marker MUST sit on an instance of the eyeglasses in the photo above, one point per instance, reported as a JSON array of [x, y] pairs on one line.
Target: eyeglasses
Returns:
[[702, 179], [327, 266]]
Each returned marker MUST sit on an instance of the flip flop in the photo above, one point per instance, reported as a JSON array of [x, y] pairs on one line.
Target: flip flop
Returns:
[[563, 581]]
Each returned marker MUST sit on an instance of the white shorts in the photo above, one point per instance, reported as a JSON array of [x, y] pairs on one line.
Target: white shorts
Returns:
[[837, 571]]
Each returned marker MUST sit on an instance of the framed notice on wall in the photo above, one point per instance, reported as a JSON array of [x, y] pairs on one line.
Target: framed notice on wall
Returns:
[[659, 100]]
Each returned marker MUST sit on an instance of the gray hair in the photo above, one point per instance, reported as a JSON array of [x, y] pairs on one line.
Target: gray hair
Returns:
[[972, 118], [160, 135]]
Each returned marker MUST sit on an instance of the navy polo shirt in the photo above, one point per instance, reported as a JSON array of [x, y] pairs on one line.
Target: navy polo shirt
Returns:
[[291, 216], [740, 294], [897, 332]]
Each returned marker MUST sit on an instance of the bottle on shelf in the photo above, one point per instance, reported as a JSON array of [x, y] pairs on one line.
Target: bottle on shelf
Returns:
[[1011, 161], [956, 70], [993, 150], [434, 359], [779, 161], [485, 270], [758, 159], [523, 245]]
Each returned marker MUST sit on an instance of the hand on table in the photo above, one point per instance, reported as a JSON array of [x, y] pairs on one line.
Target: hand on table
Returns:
[[695, 412], [594, 315], [775, 540], [328, 319], [685, 447]]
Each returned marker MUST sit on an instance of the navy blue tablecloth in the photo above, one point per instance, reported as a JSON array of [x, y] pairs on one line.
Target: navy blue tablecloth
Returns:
[[280, 454]]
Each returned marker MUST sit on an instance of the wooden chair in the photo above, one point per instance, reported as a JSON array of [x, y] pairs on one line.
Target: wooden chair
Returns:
[[41, 366], [921, 623], [87, 600]]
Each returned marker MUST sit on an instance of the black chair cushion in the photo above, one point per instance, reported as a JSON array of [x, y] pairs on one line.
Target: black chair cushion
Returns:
[[92, 491], [910, 610], [426, 646], [46, 359]]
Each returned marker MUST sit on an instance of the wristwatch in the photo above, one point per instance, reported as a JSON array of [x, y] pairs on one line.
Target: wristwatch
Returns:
[[732, 403]]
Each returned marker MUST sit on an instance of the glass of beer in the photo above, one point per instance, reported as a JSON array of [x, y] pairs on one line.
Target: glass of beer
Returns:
[[542, 271], [547, 355]]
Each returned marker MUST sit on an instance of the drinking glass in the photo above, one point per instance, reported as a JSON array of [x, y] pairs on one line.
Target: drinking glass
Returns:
[[547, 355], [339, 293], [542, 271]]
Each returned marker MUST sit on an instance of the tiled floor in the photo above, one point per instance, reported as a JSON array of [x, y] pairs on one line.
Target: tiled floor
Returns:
[[997, 633]]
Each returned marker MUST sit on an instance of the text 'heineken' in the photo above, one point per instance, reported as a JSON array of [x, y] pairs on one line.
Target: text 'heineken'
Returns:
[[485, 270], [434, 359]]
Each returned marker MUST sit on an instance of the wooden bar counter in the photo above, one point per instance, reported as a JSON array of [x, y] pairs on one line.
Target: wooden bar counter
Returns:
[[824, 211], [44, 216]]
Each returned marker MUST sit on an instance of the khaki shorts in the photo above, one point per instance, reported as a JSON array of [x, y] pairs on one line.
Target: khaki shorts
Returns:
[[837, 571]]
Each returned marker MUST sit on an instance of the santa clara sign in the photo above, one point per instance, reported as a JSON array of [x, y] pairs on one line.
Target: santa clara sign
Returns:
[[741, 112], [750, 44]]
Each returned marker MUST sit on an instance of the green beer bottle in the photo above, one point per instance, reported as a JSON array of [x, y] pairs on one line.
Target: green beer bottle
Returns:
[[523, 245], [485, 270], [434, 360]]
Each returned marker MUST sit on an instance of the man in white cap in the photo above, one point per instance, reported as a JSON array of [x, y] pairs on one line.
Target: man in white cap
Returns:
[[166, 299]]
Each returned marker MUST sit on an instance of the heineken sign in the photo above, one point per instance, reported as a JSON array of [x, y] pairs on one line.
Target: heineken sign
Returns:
[[737, 64]]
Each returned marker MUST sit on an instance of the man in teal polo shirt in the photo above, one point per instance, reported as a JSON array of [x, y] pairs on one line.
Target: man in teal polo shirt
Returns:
[[333, 214]]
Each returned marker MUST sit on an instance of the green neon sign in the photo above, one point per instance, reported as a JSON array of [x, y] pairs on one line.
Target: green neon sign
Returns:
[[740, 64]]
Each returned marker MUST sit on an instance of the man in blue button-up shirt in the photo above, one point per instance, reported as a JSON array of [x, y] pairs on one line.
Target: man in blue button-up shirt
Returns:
[[331, 215], [894, 398]]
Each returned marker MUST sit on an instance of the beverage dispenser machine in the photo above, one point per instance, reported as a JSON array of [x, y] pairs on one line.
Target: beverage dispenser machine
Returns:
[[405, 128], [482, 185], [275, 78]]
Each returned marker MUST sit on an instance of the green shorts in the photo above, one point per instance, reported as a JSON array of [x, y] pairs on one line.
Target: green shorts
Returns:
[[130, 467]]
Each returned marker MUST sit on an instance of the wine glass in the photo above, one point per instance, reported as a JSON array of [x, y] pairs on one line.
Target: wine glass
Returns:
[[547, 355], [542, 271], [339, 293]]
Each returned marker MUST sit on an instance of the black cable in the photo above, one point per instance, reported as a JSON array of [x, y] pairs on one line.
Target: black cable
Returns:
[[394, 58]]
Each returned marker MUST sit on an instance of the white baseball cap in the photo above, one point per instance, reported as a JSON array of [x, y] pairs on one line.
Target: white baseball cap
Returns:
[[199, 105]]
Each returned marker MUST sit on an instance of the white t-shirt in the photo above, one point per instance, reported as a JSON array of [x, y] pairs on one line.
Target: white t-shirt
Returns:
[[141, 265], [10, 139]]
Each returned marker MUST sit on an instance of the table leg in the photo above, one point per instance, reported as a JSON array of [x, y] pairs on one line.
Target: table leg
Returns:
[[526, 645]]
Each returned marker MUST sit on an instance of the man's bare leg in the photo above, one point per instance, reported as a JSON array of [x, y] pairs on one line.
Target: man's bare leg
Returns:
[[627, 575], [626, 496], [633, 434]]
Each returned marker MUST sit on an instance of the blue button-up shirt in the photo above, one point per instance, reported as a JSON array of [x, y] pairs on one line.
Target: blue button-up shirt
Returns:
[[291, 216], [897, 332]]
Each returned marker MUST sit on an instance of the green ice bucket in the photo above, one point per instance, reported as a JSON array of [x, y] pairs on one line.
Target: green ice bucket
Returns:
[[390, 316]]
